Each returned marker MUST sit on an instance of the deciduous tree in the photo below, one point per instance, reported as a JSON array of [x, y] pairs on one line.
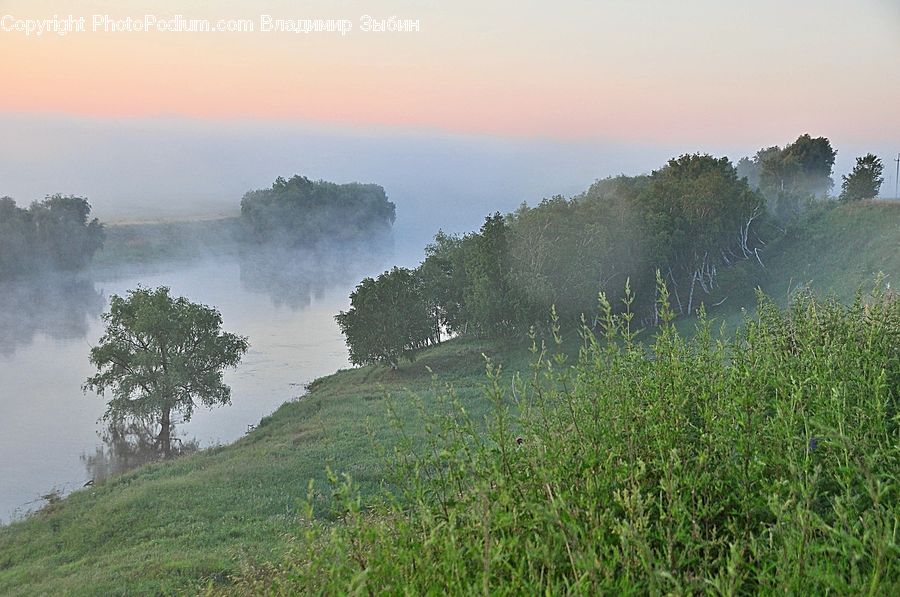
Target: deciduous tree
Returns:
[[162, 355], [865, 180], [389, 318]]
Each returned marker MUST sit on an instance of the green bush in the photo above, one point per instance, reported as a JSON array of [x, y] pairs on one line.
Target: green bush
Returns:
[[764, 463]]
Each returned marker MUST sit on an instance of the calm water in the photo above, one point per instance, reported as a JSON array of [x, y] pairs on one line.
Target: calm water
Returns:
[[46, 328]]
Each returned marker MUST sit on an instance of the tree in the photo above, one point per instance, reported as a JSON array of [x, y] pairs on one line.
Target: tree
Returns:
[[162, 355], [16, 239], [697, 215], [492, 302], [865, 180], [802, 167], [443, 275], [65, 236], [389, 318], [56, 233]]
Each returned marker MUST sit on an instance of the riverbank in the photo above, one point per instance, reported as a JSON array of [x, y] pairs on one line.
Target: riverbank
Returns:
[[172, 526], [177, 526]]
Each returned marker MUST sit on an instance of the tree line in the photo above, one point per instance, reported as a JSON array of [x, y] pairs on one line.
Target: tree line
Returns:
[[793, 176], [58, 233], [54, 234], [688, 220]]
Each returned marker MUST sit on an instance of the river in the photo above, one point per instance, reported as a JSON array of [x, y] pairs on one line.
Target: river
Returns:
[[48, 425]]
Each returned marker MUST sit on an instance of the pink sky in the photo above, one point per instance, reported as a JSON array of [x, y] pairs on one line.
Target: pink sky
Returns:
[[641, 70]]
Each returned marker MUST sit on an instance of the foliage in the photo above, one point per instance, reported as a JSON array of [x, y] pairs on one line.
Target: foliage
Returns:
[[444, 279], [170, 527], [698, 215], [176, 526], [802, 167], [789, 177], [299, 211], [564, 252], [56, 233], [690, 217], [389, 318], [865, 180], [763, 464], [492, 303], [159, 355]]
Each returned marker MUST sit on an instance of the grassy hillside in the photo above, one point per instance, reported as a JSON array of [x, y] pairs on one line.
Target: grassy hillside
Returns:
[[167, 527], [175, 526], [838, 250]]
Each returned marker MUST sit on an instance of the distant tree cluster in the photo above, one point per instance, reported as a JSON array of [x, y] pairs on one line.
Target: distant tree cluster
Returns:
[[791, 176], [56, 233], [299, 212], [687, 219]]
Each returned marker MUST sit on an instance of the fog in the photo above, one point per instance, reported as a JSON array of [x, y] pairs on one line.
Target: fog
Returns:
[[148, 169], [50, 433], [155, 170]]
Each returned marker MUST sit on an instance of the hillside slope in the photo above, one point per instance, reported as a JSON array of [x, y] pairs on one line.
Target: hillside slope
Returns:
[[838, 250], [175, 526]]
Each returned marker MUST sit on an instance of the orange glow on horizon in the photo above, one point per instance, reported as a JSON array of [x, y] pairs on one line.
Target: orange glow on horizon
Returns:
[[611, 83]]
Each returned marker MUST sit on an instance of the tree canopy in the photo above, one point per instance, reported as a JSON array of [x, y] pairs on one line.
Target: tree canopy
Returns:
[[56, 233], [298, 211], [388, 319], [865, 180], [698, 214], [790, 176], [688, 219], [161, 355]]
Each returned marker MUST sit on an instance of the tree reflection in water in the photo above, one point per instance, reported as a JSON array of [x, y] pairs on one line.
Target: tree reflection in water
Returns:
[[128, 444], [60, 306]]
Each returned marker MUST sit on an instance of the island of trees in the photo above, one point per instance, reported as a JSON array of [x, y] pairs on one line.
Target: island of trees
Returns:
[[298, 212], [59, 234]]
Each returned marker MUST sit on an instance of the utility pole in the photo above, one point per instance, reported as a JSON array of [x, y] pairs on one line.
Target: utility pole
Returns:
[[897, 179]]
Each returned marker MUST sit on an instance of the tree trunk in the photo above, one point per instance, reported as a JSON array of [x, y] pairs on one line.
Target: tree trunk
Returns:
[[165, 434]]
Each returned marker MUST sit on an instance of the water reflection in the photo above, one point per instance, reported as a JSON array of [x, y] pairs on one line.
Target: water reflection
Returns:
[[61, 307], [285, 302], [128, 445], [294, 278]]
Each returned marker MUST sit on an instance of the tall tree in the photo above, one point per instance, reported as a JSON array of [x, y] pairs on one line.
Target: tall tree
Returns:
[[492, 302], [865, 180], [443, 275], [698, 214], [802, 168], [16, 239], [162, 355]]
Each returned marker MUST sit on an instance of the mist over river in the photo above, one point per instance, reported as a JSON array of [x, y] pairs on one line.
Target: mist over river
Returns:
[[285, 305]]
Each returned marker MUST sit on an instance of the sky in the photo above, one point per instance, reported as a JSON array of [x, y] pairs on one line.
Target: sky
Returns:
[[486, 105]]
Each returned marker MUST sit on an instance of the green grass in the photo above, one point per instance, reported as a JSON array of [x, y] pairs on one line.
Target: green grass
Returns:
[[839, 250], [765, 463], [167, 527], [174, 527]]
